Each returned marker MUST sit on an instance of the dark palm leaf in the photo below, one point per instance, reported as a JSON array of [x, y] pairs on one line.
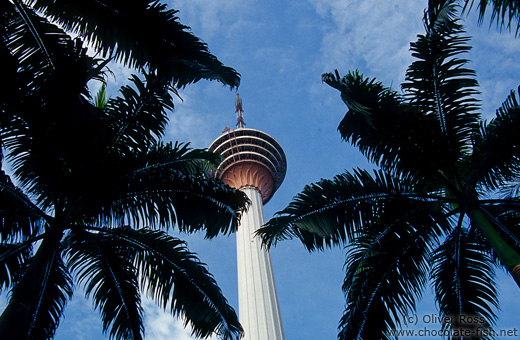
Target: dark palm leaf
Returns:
[[387, 267], [432, 126], [384, 127], [28, 68], [104, 265], [505, 12], [179, 157], [496, 154], [326, 213], [160, 42], [505, 214], [60, 95], [464, 282], [438, 83], [199, 203], [37, 49], [38, 295], [331, 212], [138, 118], [57, 290], [23, 38], [13, 259], [84, 148], [158, 189], [20, 218], [178, 281], [9, 21], [175, 277]]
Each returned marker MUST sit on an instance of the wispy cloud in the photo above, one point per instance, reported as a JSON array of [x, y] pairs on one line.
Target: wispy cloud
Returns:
[[82, 322], [369, 36], [213, 17], [161, 325], [495, 59]]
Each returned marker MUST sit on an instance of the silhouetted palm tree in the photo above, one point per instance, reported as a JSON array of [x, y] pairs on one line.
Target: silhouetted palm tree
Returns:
[[93, 184], [444, 204]]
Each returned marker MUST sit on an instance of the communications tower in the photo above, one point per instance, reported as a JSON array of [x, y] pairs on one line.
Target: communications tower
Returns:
[[254, 163]]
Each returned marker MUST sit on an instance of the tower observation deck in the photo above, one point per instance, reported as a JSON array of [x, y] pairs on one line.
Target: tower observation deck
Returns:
[[254, 163], [251, 158]]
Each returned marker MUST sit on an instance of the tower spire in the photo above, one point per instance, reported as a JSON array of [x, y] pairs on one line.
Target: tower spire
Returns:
[[240, 112]]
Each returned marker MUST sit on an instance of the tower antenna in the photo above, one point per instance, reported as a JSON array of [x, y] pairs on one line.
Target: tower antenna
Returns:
[[240, 112]]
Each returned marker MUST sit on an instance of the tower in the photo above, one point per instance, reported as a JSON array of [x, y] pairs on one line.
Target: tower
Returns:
[[254, 163]]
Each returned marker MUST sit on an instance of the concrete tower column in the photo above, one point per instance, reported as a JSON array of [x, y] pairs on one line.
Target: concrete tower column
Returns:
[[259, 310], [255, 163]]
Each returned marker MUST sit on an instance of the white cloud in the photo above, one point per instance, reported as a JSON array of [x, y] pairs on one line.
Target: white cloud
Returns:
[[82, 322], [160, 325], [195, 120], [369, 36], [494, 59], [209, 18], [185, 126]]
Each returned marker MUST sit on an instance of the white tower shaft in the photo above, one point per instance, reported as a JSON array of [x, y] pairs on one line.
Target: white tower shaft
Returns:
[[259, 310]]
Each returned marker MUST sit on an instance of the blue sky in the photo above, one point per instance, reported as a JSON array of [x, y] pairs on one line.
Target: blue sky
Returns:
[[281, 48]]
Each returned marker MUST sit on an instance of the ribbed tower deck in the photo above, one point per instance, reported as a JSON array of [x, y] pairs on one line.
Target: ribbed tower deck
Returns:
[[254, 163]]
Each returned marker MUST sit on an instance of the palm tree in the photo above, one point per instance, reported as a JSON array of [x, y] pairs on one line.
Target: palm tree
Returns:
[[92, 185], [443, 205], [87, 175]]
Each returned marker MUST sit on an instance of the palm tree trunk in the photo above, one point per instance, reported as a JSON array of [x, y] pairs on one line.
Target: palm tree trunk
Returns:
[[509, 257], [16, 319]]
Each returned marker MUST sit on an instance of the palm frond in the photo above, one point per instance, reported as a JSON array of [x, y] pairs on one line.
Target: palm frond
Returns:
[[386, 271], [506, 13], [164, 193], [54, 107], [496, 155], [27, 112], [10, 63], [179, 157], [37, 57], [13, 259], [27, 68], [76, 149], [25, 16], [39, 293], [439, 84], [178, 281], [139, 116], [57, 290], [331, 212], [390, 132], [23, 37], [464, 283], [105, 267], [100, 99], [505, 216], [20, 218], [159, 43]]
